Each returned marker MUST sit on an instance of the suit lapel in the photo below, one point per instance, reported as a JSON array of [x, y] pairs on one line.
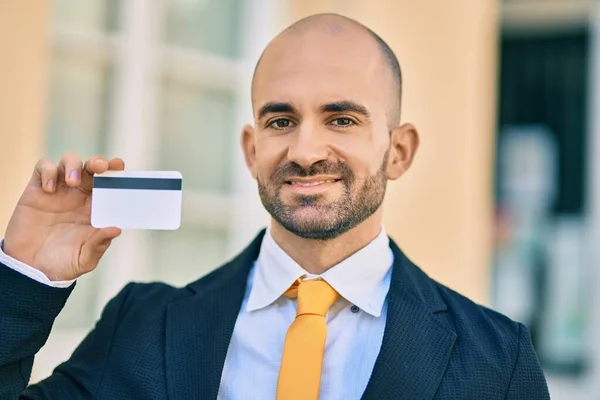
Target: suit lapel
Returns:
[[199, 328], [416, 345]]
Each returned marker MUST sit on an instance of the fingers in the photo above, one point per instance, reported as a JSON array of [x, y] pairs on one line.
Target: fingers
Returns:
[[46, 172], [116, 164], [95, 165], [99, 165], [95, 247], [69, 169], [72, 172]]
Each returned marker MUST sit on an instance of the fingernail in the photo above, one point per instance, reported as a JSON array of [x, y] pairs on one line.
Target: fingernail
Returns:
[[50, 184], [74, 175]]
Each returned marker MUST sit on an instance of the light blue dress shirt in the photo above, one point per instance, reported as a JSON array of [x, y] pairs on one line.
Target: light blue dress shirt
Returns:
[[355, 323]]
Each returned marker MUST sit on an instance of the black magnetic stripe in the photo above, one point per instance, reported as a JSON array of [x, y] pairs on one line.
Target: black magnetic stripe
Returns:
[[105, 182]]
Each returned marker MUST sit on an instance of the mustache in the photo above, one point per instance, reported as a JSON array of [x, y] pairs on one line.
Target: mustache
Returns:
[[283, 172]]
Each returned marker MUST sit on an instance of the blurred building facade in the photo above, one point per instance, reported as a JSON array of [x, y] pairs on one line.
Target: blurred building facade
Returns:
[[547, 186], [166, 85]]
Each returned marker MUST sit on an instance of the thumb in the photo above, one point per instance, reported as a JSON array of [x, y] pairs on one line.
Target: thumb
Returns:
[[95, 247]]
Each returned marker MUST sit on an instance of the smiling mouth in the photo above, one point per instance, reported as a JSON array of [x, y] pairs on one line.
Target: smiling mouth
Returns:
[[311, 183]]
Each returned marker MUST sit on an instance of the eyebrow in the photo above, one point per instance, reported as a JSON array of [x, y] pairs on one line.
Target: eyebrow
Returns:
[[346, 106], [335, 107], [275, 107]]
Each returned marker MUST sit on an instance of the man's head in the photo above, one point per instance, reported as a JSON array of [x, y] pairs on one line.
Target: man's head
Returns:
[[336, 25], [326, 97]]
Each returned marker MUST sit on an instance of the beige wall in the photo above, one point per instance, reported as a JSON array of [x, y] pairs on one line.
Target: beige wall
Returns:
[[440, 212], [23, 66]]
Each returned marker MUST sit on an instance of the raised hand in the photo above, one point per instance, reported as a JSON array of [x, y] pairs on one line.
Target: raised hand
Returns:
[[50, 228]]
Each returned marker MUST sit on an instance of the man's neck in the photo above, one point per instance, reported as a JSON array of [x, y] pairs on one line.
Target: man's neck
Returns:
[[317, 256]]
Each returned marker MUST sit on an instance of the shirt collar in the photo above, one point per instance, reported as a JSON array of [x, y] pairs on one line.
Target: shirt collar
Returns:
[[362, 279]]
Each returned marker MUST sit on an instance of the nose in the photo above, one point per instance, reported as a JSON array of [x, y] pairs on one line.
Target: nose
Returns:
[[308, 146]]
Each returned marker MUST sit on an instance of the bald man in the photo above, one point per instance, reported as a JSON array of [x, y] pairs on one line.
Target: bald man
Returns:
[[322, 304]]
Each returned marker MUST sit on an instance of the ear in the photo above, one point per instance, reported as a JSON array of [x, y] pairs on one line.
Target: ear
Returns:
[[249, 148], [404, 142]]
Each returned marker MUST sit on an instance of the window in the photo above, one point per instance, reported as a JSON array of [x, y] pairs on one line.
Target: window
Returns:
[[165, 85]]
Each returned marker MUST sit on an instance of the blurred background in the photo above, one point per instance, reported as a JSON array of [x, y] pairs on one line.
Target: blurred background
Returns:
[[502, 203]]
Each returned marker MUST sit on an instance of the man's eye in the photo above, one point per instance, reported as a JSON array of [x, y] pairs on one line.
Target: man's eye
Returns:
[[281, 123], [342, 122]]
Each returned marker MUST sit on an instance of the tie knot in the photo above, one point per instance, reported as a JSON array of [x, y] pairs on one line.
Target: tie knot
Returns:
[[314, 296]]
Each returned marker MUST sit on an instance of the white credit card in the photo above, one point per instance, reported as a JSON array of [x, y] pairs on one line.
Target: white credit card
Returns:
[[137, 200]]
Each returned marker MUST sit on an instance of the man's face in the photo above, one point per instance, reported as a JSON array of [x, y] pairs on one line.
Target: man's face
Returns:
[[320, 143]]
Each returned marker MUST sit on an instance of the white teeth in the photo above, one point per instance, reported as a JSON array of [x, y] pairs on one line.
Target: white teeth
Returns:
[[311, 183]]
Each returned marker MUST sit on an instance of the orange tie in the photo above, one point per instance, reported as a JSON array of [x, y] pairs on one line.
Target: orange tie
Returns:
[[302, 361]]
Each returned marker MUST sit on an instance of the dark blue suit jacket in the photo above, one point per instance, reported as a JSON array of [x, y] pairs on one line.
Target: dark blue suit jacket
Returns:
[[155, 341]]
